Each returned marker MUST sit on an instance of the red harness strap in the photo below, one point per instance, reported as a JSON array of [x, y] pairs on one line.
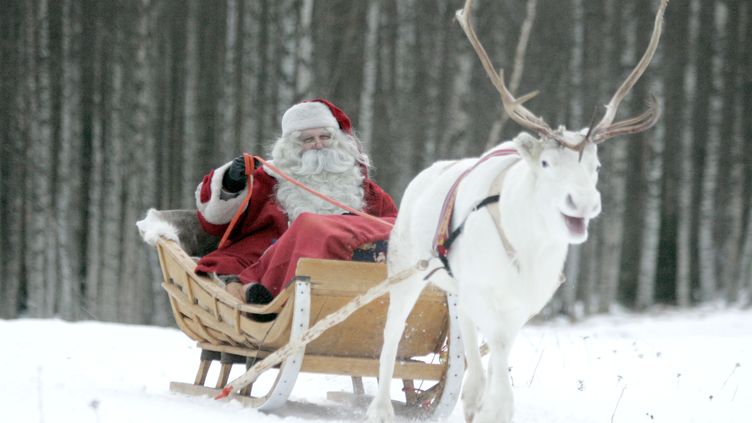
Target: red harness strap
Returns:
[[443, 230], [250, 168]]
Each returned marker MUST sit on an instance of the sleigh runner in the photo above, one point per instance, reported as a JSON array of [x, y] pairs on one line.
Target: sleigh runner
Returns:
[[226, 332]]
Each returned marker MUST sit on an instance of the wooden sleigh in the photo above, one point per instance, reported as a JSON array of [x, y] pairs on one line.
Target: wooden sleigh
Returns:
[[430, 354]]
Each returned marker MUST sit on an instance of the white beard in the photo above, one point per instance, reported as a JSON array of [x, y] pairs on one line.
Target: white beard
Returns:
[[331, 171]]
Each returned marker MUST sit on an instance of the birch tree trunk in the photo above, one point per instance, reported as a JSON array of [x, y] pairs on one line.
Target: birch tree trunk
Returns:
[[369, 76], [385, 99], [262, 75], [37, 131], [673, 212], [63, 301], [745, 263], [446, 93], [702, 257], [418, 107], [651, 224], [61, 29], [193, 170], [277, 75], [685, 12], [304, 51], [633, 212], [111, 162], [708, 246], [728, 197], [12, 172], [233, 91], [241, 128], [211, 26], [573, 269], [89, 19], [612, 178], [139, 280], [653, 173]]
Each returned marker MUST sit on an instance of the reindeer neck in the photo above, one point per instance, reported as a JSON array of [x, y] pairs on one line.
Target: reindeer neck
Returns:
[[523, 226]]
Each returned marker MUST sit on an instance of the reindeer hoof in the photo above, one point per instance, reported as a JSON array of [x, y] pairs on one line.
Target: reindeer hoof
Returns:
[[380, 412]]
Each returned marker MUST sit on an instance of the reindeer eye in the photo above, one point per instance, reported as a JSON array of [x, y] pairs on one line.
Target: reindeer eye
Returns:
[[544, 164]]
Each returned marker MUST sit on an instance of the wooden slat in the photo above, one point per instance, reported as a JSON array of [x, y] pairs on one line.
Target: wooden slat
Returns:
[[364, 367], [197, 390], [203, 370], [337, 277], [357, 383], [247, 352], [224, 375]]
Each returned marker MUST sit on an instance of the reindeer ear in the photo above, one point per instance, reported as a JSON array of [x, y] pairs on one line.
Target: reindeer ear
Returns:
[[528, 146]]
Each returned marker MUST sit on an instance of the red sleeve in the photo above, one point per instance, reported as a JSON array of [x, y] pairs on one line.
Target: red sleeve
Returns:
[[204, 197], [205, 194], [210, 228], [378, 202]]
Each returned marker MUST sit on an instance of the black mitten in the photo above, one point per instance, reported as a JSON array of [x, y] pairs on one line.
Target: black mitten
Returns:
[[234, 179]]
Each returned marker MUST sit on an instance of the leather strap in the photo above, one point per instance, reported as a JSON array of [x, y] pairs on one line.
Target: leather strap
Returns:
[[495, 212], [249, 169]]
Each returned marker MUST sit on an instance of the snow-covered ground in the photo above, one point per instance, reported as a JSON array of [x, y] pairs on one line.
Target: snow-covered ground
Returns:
[[667, 367]]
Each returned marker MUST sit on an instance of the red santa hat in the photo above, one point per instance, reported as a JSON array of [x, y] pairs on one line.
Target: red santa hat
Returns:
[[317, 113]]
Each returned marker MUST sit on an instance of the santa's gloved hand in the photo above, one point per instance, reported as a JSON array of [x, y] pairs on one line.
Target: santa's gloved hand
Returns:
[[234, 179]]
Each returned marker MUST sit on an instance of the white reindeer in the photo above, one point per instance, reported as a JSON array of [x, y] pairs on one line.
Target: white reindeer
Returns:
[[506, 263]]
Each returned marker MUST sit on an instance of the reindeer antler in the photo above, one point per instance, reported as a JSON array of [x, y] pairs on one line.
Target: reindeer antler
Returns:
[[606, 128], [512, 105]]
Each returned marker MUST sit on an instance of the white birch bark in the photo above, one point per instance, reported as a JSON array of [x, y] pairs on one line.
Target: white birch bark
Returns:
[[612, 222], [228, 103], [651, 227], [191, 174], [731, 240], [684, 218], [110, 251], [135, 291], [12, 191], [707, 247], [612, 179], [70, 293], [365, 120], [41, 290], [686, 171], [708, 213]]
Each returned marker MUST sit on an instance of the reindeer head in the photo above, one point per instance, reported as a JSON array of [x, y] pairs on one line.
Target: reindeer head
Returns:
[[565, 163], [564, 192]]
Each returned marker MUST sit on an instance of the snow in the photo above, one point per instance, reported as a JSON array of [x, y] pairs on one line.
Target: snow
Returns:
[[691, 366]]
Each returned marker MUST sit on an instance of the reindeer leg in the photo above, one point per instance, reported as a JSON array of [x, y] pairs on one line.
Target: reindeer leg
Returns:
[[402, 298], [475, 378], [498, 402]]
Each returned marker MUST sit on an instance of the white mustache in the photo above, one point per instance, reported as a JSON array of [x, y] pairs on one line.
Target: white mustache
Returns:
[[314, 162]]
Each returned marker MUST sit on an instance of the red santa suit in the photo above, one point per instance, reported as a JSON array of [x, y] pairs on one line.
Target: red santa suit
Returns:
[[264, 248]]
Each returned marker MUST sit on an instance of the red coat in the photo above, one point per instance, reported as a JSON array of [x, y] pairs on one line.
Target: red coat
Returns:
[[248, 253]]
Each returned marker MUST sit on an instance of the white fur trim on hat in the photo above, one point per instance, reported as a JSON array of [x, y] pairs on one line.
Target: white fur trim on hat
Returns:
[[306, 116]]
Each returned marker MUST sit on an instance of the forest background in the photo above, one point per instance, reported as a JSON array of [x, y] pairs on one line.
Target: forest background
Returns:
[[110, 107]]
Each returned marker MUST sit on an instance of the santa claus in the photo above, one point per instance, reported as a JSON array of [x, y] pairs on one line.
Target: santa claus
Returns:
[[283, 222]]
